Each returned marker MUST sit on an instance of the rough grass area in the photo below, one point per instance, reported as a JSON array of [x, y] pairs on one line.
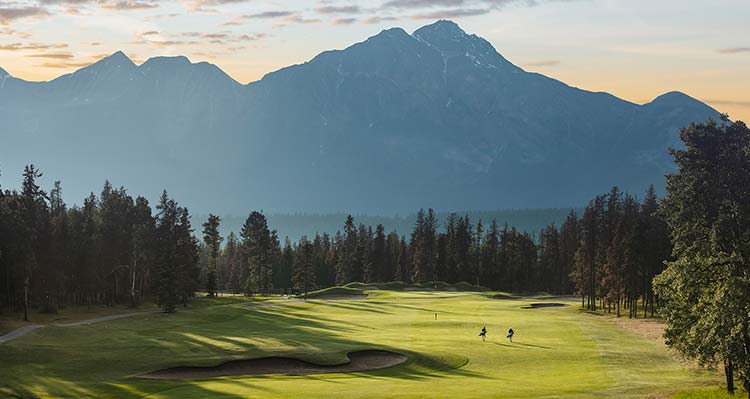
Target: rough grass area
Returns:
[[10, 321], [557, 352]]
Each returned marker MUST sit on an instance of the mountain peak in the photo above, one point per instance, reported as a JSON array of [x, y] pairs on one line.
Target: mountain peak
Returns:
[[390, 35], [3, 72], [675, 98], [672, 97], [166, 62], [119, 55], [442, 33], [442, 27], [117, 60], [451, 40]]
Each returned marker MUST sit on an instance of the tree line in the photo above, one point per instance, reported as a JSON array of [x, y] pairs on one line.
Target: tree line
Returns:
[[112, 249], [609, 256], [295, 225], [623, 245], [116, 249]]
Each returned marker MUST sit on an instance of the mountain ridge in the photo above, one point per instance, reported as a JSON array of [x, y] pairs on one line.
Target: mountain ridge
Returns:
[[389, 124], [120, 56]]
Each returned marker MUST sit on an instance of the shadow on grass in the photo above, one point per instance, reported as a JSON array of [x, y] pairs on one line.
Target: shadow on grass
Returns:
[[520, 345], [407, 307], [100, 360]]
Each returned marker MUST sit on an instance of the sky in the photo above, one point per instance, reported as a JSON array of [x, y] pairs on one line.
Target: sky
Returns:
[[634, 49]]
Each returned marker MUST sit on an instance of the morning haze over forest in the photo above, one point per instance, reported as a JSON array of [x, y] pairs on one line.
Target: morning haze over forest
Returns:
[[409, 199]]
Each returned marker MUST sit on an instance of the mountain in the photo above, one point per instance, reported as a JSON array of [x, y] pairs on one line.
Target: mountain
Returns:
[[437, 118]]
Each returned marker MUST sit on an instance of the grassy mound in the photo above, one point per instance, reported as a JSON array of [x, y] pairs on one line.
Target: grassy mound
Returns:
[[464, 286], [336, 291], [426, 286], [362, 286]]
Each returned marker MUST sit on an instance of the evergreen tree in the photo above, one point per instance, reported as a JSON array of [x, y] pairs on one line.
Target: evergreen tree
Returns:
[[449, 248], [142, 249], [587, 260], [186, 257], [379, 256], [166, 285], [347, 247], [476, 258], [303, 275], [404, 271], [60, 266], [620, 265], [393, 258], [283, 273], [236, 263], [259, 246], [549, 259], [462, 250], [707, 208], [423, 246], [325, 260], [527, 261], [489, 255], [502, 276], [570, 240], [362, 265], [212, 239], [34, 218], [656, 247]]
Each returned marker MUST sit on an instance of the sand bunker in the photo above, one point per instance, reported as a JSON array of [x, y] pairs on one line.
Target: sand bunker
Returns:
[[358, 361], [544, 305]]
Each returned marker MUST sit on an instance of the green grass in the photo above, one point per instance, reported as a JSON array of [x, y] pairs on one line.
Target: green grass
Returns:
[[557, 352], [710, 393]]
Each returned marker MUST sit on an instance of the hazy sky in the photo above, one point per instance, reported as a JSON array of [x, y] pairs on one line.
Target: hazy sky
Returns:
[[632, 48]]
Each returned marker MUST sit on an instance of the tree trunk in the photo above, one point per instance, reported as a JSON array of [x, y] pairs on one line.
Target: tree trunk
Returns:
[[132, 287], [618, 305], [729, 372], [26, 298], [653, 300]]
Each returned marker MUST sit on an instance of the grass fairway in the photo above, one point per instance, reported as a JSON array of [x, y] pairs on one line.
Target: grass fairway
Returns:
[[557, 352]]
